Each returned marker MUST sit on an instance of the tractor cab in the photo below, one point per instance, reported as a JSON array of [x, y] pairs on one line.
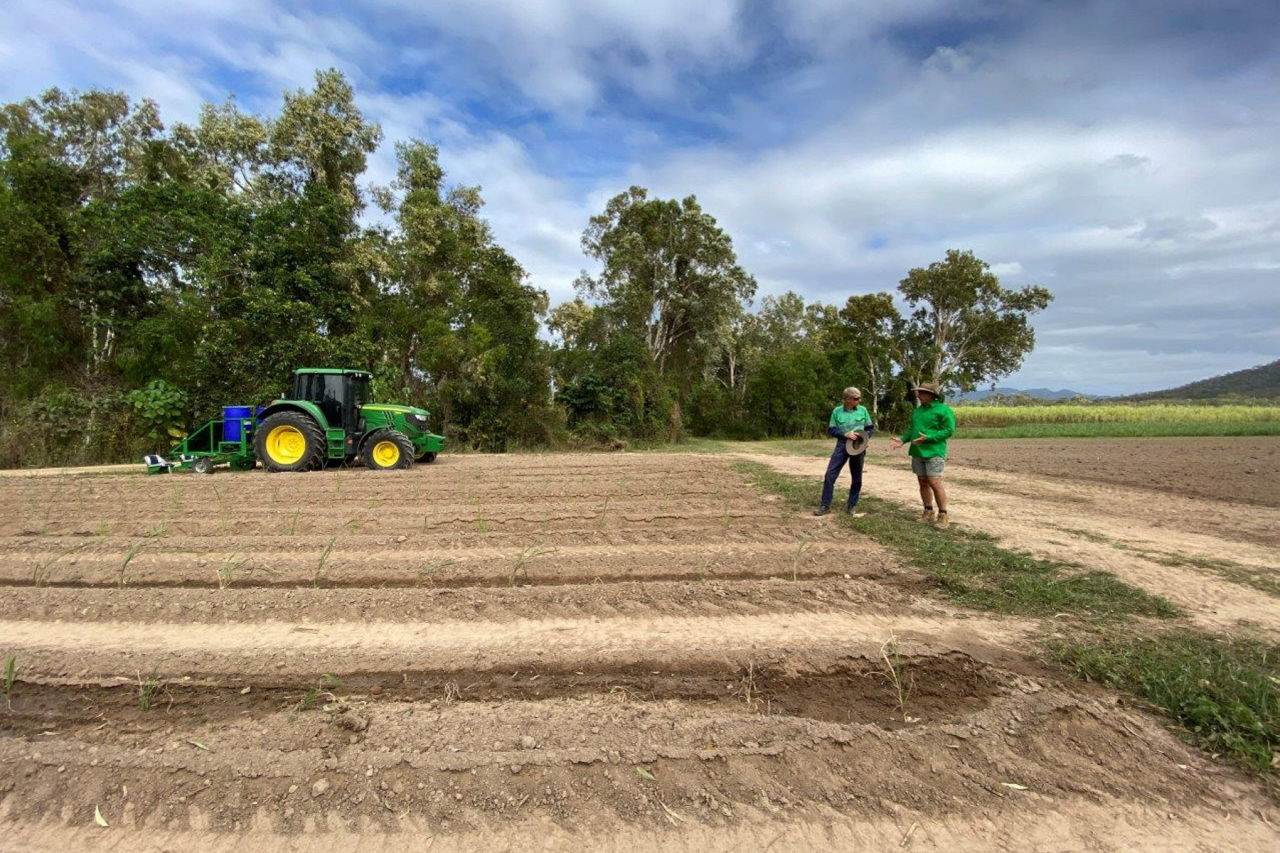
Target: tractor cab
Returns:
[[339, 394]]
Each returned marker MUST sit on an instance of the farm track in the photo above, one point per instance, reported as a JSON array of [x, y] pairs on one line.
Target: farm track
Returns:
[[620, 652]]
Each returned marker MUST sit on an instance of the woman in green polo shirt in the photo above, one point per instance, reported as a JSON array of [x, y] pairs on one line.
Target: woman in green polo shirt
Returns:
[[932, 423]]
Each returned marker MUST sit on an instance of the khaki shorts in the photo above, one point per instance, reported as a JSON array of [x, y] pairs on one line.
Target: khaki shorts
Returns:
[[931, 467]]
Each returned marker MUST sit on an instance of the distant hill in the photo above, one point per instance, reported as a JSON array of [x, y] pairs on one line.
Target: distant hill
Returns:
[[1261, 381], [1037, 393]]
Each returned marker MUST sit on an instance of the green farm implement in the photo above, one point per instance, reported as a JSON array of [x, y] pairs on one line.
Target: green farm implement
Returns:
[[327, 417]]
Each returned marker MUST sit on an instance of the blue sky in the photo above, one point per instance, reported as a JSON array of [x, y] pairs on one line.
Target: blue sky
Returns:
[[1122, 154]]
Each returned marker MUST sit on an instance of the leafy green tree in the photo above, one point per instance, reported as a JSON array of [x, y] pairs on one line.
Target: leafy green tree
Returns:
[[870, 325], [460, 324], [669, 274], [964, 329]]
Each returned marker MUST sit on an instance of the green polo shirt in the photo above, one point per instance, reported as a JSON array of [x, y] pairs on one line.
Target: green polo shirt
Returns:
[[850, 419], [937, 422]]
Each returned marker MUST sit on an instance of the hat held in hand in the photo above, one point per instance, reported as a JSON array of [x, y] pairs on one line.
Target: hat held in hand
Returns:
[[856, 445]]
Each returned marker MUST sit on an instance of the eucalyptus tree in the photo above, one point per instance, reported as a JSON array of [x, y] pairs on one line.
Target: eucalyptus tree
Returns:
[[669, 276], [964, 328]]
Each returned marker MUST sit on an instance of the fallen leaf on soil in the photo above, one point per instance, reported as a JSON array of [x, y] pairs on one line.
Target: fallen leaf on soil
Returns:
[[643, 773], [1014, 786], [198, 745], [98, 818]]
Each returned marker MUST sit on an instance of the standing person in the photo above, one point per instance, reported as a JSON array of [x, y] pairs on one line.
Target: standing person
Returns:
[[848, 421], [932, 423]]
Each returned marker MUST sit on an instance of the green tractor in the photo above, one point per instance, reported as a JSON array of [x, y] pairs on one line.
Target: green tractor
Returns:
[[328, 416]]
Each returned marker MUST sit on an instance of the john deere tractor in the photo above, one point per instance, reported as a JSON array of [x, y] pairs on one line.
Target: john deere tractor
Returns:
[[328, 416]]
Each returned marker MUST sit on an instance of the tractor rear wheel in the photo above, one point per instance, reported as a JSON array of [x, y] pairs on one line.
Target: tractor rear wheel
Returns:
[[289, 441], [384, 449]]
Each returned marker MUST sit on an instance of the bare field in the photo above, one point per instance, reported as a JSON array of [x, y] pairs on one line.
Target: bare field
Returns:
[[1240, 470], [634, 651]]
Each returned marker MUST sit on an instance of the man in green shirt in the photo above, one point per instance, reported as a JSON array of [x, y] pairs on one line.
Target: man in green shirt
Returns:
[[848, 421], [932, 423]]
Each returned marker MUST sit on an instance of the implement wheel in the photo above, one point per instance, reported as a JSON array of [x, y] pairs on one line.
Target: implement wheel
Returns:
[[385, 449], [289, 441]]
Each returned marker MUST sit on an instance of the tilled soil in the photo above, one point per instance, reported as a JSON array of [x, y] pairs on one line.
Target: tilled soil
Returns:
[[610, 652], [1236, 469]]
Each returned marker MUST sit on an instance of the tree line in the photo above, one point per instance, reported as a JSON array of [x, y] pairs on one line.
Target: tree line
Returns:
[[150, 275]]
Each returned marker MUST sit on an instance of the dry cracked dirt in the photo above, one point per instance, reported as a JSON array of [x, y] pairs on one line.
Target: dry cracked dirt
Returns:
[[614, 652]]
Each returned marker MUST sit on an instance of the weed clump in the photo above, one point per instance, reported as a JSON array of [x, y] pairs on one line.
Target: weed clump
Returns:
[[1225, 693]]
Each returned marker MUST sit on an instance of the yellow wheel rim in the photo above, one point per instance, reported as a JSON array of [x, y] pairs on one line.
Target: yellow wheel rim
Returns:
[[386, 453], [286, 445]]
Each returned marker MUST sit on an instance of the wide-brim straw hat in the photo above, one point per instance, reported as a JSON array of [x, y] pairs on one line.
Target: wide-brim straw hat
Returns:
[[930, 387], [857, 445]]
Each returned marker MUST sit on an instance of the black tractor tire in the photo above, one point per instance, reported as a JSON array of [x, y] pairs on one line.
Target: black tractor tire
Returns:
[[426, 457], [289, 441], [386, 449], [203, 465]]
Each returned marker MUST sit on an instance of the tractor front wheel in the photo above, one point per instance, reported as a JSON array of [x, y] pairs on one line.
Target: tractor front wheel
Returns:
[[385, 449], [289, 441]]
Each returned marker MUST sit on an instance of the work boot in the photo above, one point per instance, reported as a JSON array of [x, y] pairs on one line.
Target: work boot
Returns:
[[926, 515], [852, 511], [943, 520], [822, 510]]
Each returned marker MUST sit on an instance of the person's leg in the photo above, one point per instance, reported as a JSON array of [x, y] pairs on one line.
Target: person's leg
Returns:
[[855, 485], [939, 490], [834, 466], [939, 493], [926, 493]]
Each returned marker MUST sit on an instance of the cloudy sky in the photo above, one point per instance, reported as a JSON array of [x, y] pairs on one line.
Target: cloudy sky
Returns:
[[1123, 153]]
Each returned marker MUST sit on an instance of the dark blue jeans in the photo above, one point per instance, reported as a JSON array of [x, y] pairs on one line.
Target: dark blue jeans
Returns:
[[838, 458]]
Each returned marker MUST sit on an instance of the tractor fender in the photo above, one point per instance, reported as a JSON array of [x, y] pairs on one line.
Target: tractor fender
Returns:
[[306, 407]]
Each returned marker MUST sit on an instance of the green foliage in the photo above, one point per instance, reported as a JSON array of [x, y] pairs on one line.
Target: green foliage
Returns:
[[159, 408], [1224, 692]]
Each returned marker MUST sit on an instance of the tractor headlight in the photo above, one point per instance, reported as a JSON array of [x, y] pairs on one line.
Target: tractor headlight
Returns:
[[416, 421]]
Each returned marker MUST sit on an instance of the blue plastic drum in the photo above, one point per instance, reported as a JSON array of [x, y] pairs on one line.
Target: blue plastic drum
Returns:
[[232, 427]]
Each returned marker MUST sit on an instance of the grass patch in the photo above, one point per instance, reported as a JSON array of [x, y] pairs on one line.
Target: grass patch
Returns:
[[1256, 577], [973, 570], [1224, 693]]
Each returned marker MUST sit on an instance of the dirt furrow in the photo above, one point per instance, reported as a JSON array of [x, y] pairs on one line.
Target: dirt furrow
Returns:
[[109, 649], [901, 593], [409, 567]]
